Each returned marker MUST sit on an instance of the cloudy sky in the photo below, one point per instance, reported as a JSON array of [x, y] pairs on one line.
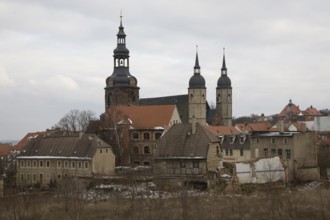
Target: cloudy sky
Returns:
[[56, 55]]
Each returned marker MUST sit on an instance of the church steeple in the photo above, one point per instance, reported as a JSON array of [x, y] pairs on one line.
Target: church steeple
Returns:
[[224, 96], [224, 68], [197, 95], [197, 68], [224, 81], [121, 53], [197, 80], [121, 87]]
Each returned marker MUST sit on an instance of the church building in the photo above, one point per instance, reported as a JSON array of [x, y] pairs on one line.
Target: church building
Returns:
[[122, 90]]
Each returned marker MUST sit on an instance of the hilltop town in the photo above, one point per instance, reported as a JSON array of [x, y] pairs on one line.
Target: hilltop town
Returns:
[[171, 141]]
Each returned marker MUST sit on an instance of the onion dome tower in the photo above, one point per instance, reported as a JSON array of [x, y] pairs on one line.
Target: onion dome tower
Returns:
[[224, 96], [121, 87], [197, 95]]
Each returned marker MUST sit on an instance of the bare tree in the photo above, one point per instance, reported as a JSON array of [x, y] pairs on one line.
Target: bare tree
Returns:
[[114, 121], [75, 120]]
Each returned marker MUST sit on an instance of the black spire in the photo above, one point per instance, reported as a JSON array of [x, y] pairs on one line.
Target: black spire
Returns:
[[224, 68], [196, 61], [197, 80], [121, 32], [224, 81]]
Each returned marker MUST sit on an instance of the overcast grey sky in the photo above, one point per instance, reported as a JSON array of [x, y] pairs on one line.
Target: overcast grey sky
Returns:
[[56, 55]]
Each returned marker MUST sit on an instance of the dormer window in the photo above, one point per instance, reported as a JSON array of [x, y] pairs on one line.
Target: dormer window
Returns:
[[221, 138], [232, 139], [242, 139]]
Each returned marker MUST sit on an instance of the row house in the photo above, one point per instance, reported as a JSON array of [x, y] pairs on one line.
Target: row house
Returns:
[[235, 145], [48, 159]]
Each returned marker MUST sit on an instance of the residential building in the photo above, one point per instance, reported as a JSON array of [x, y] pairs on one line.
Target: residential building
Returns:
[[187, 152], [48, 159], [292, 112], [135, 130], [235, 145], [297, 150]]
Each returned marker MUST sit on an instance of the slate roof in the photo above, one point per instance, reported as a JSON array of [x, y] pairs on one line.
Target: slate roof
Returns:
[[145, 116], [237, 143], [181, 102], [83, 146], [180, 143]]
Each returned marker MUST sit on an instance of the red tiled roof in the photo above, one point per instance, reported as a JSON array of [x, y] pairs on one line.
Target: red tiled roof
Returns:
[[144, 116], [311, 111], [292, 108], [21, 144], [222, 130], [5, 149], [250, 127], [300, 126]]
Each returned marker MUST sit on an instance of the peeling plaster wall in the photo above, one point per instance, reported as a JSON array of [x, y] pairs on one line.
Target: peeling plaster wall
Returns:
[[261, 171]]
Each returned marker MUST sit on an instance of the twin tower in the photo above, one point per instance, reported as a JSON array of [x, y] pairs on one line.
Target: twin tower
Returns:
[[122, 90], [197, 97]]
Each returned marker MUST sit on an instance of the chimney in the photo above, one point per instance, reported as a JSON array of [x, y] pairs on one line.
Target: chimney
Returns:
[[281, 126], [193, 125]]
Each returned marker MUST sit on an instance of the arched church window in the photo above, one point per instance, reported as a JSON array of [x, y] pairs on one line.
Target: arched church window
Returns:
[[121, 62]]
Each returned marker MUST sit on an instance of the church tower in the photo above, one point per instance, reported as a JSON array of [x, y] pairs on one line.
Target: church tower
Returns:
[[224, 97], [121, 87], [197, 95]]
